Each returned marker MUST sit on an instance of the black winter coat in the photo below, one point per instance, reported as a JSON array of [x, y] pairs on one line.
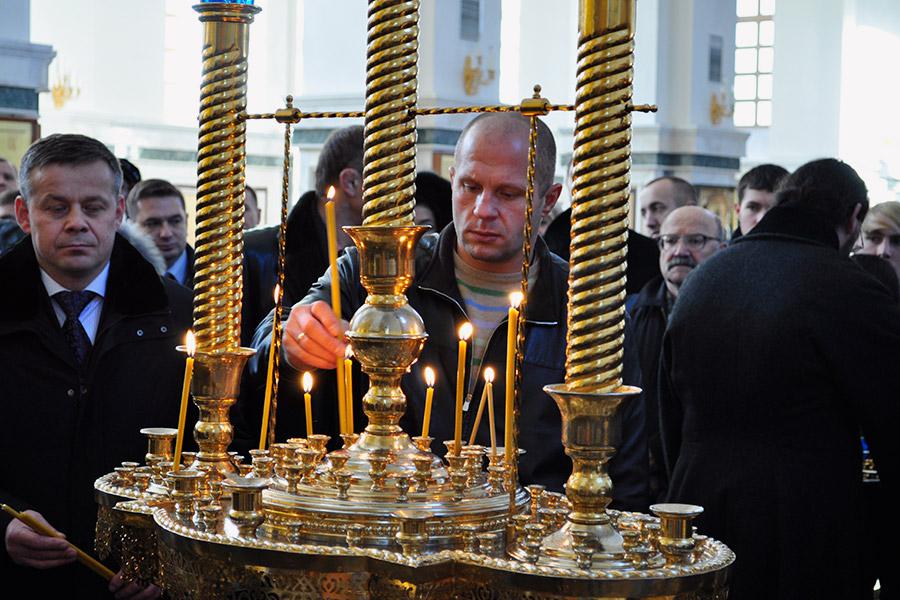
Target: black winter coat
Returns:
[[648, 318], [778, 352], [62, 429], [435, 295]]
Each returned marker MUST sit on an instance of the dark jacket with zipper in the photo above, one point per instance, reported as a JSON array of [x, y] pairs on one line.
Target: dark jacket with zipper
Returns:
[[436, 297], [63, 427]]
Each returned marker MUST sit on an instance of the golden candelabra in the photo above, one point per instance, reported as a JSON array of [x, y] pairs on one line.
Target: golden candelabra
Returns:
[[384, 517]]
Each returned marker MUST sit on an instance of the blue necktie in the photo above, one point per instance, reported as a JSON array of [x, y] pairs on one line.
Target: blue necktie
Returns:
[[72, 303]]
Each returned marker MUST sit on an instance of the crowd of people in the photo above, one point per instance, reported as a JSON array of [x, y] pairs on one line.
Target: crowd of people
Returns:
[[763, 356]]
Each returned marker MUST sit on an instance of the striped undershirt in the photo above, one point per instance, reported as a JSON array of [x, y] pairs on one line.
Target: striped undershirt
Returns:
[[486, 298]]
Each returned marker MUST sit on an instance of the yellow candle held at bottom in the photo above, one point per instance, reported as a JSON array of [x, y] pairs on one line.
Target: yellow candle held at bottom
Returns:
[[429, 398], [307, 401], [465, 332], [515, 299], [190, 347], [331, 230], [270, 374], [348, 386], [83, 557]]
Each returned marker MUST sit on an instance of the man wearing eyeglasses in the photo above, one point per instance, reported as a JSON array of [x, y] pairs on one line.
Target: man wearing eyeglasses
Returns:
[[688, 237]]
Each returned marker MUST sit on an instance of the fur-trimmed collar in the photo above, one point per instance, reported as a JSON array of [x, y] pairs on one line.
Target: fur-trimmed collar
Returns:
[[133, 286]]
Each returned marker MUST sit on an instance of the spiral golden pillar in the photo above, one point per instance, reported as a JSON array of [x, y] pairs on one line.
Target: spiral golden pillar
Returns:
[[383, 516]]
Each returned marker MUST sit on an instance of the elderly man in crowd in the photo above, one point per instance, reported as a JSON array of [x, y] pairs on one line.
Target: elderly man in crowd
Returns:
[[688, 237]]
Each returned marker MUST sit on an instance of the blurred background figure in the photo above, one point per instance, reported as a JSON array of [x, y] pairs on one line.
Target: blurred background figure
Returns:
[[433, 194], [660, 197], [131, 175], [251, 208], [10, 232], [8, 176], [756, 195], [881, 233]]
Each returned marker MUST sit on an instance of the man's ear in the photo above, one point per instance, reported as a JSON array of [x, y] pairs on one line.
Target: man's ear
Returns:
[[22, 215], [120, 210], [853, 224], [350, 182], [550, 198]]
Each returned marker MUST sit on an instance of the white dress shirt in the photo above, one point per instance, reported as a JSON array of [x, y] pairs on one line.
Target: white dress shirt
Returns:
[[90, 316]]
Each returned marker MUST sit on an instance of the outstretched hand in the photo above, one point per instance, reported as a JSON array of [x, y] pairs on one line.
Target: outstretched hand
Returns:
[[313, 337]]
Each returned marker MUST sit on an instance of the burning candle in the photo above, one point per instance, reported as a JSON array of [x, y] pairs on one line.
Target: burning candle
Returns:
[[489, 376], [465, 332], [270, 373], [348, 385], [515, 299], [307, 401], [485, 394], [190, 346], [429, 397], [331, 228]]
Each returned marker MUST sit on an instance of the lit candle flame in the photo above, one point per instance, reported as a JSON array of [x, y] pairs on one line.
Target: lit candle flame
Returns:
[[190, 343], [489, 375], [276, 293], [348, 352], [307, 382], [330, 193], [515, 299], [465, 331], [429, 376]]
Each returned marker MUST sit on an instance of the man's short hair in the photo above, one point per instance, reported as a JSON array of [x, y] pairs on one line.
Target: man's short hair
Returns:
[[150, 188], [545, 150], [8, 197], [342, 150], [763, 177], [827, 186], [685, 193], [66, 149]]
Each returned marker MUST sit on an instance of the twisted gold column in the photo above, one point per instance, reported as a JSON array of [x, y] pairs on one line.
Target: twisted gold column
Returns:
[[390, 130], [602, 159], [220, 177], [221, 156]]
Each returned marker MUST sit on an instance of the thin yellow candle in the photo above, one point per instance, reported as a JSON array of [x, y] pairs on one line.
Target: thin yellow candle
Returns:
[[83, 557], [515, 299], [429, 397], [307, 401], [331, 230], [490, 395], [488, 378], [190, 346], [465, 332], [270, 374], [348, 385]]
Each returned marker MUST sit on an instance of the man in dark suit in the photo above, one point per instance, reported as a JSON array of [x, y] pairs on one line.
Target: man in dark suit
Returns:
[[778, 353], [88, 331], [158, 208]]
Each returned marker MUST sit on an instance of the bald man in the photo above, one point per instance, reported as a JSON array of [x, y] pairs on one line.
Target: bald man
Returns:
[[466, 274], [688, 236], [660, 197]]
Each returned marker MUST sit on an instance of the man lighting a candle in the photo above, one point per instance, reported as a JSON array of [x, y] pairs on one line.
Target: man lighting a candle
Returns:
[[88, 333], [467, 274]]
